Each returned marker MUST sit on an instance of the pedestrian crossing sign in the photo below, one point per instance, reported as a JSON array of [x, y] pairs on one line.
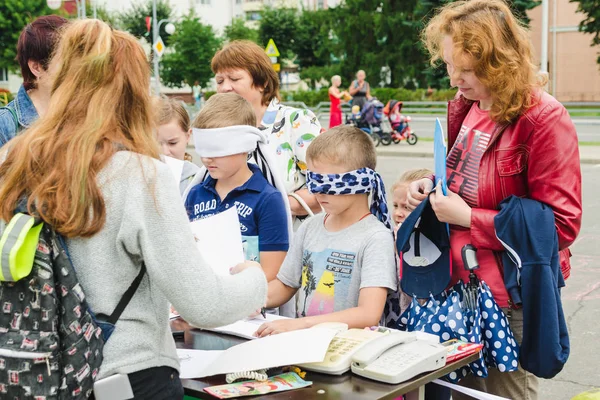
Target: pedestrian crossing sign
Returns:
[[271, 49], [159, 47]]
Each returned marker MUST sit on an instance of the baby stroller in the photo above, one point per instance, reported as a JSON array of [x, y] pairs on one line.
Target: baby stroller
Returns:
[[401, 129], [369, 120]]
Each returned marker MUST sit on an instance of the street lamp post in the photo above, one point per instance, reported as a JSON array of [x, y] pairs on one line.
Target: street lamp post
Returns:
[[155, 30]]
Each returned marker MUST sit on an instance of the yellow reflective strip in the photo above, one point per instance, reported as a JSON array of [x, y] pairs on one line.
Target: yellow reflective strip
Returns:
[[10, 237]]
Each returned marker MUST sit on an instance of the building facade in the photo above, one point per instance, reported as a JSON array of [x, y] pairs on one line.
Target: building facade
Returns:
[[574, 74]]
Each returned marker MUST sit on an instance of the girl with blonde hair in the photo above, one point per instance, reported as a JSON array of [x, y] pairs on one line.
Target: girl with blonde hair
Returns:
[[507, 137], [90, 169], [173, 134]]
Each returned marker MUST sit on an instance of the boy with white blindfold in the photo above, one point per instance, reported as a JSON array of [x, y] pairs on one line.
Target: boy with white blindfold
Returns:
[[341, 262], [224, 133]]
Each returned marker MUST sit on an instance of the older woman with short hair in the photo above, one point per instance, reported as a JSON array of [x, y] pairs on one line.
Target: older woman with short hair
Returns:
[[243, 67]]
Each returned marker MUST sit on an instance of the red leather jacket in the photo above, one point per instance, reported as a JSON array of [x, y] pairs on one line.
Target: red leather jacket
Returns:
[[537, 157]]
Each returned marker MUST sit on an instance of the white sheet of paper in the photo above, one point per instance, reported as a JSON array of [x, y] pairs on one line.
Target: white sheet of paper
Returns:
[[176, 167], [193, 362], [470, 392], [219, 240], [246, 327], [288, 348]]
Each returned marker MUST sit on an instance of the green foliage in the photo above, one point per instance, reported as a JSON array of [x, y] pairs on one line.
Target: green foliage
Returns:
[[134, 19], [103, 14], [309, 97], [14, 15], [591, 22], [316, 74], [238, 30], [281, 25], [193, 45], [520, 8], [313, 97], [313, 45]]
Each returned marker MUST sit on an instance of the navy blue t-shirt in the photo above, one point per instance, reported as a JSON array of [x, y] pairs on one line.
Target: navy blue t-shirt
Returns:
[[260, 207]]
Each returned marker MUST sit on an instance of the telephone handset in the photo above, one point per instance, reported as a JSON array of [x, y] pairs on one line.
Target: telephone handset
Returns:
[[394, 359], [345, 344]]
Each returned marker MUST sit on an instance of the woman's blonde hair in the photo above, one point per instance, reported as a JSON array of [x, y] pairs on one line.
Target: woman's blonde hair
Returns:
[[247, 55], [488, 33], [171, 108], [100, 104]]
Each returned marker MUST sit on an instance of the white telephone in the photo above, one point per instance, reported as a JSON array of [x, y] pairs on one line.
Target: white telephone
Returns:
[[345, 344], [392, 359]]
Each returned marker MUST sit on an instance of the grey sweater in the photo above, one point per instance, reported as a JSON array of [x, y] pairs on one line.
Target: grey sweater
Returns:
[[146, 222]]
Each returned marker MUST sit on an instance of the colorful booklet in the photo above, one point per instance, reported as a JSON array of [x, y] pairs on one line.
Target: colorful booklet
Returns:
[[278, 383], [458, 349]]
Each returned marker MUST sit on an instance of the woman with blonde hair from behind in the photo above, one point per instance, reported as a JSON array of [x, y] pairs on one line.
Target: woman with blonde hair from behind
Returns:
[[508, 139], [91, 169]]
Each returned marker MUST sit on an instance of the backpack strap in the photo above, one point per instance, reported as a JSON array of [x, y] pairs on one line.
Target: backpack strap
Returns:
[[15, 118], [127, 296]]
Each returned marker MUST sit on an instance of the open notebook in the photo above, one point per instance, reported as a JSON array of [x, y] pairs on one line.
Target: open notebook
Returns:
[[245, 328]]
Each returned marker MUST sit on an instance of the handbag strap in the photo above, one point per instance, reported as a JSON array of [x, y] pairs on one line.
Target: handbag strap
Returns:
[[303, 204], [127, 296]]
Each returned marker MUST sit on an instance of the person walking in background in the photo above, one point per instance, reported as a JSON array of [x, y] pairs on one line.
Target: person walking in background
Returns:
[[335, 96], [506, 136], [94, 174], [243, 67], [197, 93], [360, 90], [34, 49]]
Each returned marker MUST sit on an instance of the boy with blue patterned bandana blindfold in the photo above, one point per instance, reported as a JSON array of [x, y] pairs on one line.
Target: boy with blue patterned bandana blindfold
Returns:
[[341, 264], [363, 180]]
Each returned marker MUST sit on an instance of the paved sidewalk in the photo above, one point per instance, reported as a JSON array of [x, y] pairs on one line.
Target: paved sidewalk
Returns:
[[588, 154]]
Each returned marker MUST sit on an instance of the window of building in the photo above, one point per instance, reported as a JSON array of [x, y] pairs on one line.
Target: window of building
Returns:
[[238, 1], [320, 4], [253, 16], [3, 75], [204, 2]]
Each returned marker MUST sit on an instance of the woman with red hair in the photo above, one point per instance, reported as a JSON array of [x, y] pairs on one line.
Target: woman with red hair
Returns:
[[507, 137]]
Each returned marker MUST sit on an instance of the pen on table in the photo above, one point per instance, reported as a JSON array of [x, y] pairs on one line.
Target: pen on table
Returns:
[[263, 312]]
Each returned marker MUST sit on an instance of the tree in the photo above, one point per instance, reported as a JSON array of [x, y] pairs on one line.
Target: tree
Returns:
[[281, 25], [238, 30], [134, 19], [14, 15], [591, 23], [312, 43], [192, 48], [103, 14]]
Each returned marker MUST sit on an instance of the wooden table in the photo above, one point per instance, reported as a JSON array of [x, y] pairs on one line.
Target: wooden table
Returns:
[[324, 387]]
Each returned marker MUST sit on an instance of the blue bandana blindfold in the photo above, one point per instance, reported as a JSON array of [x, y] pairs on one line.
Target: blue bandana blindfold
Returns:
[[360, 181]]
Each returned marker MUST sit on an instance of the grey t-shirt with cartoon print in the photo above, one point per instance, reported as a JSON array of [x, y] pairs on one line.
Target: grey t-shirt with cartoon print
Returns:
[[330, 268]]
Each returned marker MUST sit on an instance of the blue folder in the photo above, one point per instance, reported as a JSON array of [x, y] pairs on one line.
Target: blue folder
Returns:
[[439, 156]]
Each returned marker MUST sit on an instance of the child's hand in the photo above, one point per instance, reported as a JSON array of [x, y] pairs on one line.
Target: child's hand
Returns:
[[242, 266], [279, 326]]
